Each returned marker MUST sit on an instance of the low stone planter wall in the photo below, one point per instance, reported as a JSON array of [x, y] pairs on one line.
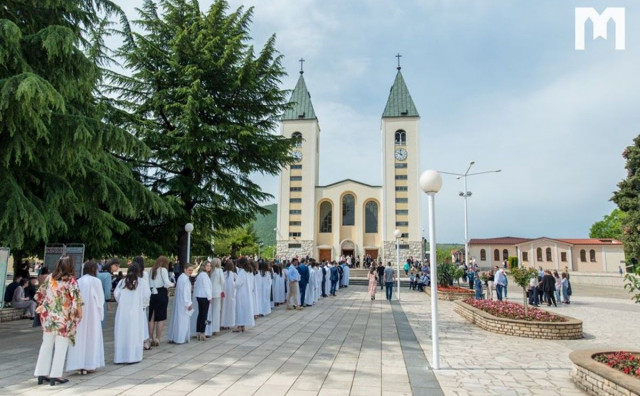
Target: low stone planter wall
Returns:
[[569, 330], [7, 314], [597, 378], [450, 296]]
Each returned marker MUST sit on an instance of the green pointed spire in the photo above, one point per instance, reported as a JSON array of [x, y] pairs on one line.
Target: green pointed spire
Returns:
[[400, 103], [301, 107]]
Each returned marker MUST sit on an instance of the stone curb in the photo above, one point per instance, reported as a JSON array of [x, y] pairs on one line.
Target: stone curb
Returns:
[[597, 378]]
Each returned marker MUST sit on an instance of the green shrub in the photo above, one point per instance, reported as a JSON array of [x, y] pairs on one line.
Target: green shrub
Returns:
[[513, 262]]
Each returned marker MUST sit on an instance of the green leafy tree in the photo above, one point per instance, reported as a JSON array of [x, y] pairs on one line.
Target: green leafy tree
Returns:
[[448, 273], [237, 241], [628, 200], [62, 177], [522, 276], [207, 106], [609, 227]]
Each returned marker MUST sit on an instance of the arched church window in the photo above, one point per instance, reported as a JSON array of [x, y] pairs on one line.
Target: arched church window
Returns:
[[539, 254], [505, 254], [549, 254], [496, 254], [592, 256], [483, 255], [371, 217], [348, 210], [297, 136], [401, 137], [325, 217], [583, 255]]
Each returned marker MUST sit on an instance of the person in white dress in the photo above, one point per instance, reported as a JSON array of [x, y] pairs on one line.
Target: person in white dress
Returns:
[[345, 278], [265, 292], [139, 262], [88, 352], [201, 299], [179, 328], [252, 271], [258, 282], [160, 284], [132, 294], [244, 297], [228, 311], [216, 301], [327, 281]]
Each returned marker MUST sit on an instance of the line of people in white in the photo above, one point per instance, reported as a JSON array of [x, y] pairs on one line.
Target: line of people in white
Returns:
[[231, 297]]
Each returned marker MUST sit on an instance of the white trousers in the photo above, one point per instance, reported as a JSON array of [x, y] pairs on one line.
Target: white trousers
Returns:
[[53, 348]]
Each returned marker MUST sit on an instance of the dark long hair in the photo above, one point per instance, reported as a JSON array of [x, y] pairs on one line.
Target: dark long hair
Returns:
[[64, 268], [131, 280]]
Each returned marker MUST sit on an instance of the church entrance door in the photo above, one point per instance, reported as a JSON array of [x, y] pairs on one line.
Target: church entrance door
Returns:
[[347, 252], [372, 252], [324, 254]]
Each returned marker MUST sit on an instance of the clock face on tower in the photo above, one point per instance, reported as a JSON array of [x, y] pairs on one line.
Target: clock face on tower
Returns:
[[401, 154], [297, 155]]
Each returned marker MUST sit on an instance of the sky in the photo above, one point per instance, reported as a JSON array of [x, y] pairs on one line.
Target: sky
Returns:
[[497, 82]]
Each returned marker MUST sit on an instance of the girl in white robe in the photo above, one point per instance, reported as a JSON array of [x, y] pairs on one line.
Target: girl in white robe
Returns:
[[228, 311], [251, 279], [88, 352], [179, 329], [216, 301], [132, 294], [327, 279], [244, 298], [264, 299], [258, 281]]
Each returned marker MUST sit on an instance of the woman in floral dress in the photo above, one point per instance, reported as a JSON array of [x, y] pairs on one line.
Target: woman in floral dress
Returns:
[[60, 310]]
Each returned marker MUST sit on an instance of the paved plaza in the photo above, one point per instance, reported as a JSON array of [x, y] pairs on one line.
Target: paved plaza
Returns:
[[345, 345]]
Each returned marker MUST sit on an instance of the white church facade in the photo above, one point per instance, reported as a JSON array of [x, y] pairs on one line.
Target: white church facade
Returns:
[[348, 217]]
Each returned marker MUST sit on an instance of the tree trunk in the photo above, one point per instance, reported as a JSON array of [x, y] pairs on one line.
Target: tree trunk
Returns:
[[182, 247]]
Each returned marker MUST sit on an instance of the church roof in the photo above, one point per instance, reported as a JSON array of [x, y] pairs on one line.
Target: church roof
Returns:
[[300, 103], [400, 103], [348, 181]]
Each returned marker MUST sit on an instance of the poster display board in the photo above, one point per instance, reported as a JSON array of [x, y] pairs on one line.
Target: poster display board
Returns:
[[4, 266], [52, 254], [76, 250], [54, 251]]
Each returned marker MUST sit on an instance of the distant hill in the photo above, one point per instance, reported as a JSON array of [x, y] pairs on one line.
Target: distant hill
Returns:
[[264, 226]]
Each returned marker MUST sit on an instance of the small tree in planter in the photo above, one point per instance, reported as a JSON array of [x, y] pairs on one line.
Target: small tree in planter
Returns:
[[447, 273], [522, 276]]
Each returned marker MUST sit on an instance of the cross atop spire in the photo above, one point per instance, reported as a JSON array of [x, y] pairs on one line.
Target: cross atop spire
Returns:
[[399, 56], [301, 65]]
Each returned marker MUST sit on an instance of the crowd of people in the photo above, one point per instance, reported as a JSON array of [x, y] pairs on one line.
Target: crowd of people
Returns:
[[228, 294]]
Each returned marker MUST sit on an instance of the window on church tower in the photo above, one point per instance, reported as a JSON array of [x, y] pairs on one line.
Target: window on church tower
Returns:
[[325, 217], [401, 137], [348, 210], [371, 217], [298, 139], [401, 188]]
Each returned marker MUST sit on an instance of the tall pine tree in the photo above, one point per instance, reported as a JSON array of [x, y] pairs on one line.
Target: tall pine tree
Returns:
[[207, 106], [62, 177]]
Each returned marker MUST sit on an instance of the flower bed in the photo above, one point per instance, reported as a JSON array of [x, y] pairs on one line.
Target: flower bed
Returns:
[[451, 293], [602, 372], [565, 329], [511, 310], [626, 362]]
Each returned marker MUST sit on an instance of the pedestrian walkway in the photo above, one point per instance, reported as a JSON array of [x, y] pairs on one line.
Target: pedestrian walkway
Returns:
[[345, 345]]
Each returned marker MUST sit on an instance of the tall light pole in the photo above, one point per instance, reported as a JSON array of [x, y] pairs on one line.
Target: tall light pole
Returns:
[[431, 182], [188, 228], [466, 194], [398, 234]]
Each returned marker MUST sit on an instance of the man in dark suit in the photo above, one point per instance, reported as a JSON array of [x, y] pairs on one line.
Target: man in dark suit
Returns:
[[303, 270], [324, 269], [334, 278]]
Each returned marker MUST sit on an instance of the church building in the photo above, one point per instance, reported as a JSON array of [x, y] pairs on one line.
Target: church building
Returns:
[[348, 217]]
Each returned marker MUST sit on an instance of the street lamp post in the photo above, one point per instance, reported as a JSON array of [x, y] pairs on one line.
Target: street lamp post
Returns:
[[188, 228], [466, 194], [398, 234], [431, 182]]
